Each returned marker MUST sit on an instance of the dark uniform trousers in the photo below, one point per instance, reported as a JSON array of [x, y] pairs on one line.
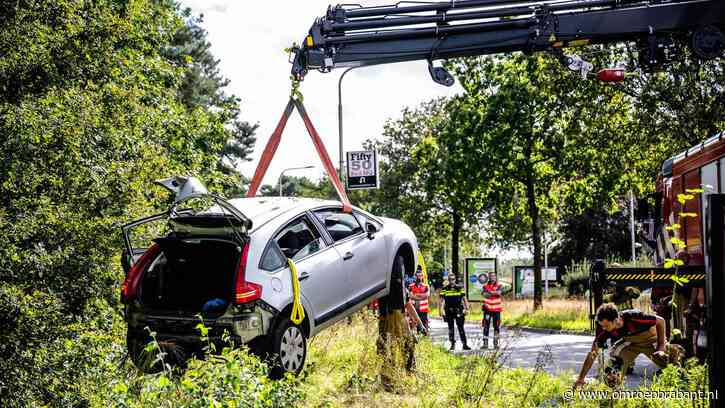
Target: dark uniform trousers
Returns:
[[455, 316]]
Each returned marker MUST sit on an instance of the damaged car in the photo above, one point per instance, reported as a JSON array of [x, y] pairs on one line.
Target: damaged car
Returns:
[[225, 263]]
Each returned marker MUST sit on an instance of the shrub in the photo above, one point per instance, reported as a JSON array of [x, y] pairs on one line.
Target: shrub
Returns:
[[231, 378], [576, 278]]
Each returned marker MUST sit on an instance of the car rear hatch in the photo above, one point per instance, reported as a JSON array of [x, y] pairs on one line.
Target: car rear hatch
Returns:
[[195, 267]]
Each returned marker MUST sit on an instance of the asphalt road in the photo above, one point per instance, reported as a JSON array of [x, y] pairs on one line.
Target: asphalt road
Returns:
[[562, 353]]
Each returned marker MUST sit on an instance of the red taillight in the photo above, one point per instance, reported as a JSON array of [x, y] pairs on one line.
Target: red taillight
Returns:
[[130, 285], [245, 291], [611, 75]]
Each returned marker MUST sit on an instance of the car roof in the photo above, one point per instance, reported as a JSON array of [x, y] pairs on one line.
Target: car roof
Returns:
[[261, 210]]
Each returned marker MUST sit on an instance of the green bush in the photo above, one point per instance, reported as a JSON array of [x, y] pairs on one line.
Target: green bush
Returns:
[[232, 378], [576, 278]]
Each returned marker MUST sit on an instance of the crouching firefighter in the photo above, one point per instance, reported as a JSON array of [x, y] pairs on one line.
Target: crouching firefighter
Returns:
[[492, 308], [632, 333], [454, 307]]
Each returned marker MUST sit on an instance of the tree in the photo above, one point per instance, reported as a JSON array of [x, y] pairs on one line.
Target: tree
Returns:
[[454, 183], [545, 137], [90, 115], [202, 87]]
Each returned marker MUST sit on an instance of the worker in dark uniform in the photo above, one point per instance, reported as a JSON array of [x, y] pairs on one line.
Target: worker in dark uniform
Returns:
[[492, 307], [453, 309], [632, 333]]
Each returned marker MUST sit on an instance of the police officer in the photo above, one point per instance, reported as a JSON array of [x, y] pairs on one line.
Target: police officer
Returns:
[[454, 307]]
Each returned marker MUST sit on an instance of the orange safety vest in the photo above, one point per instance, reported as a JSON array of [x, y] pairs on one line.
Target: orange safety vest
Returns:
[[421, 305], [492, 303]]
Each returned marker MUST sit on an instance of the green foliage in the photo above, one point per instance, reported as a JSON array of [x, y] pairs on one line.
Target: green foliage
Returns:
[[592, 234], [202, 86], [92, 110], [231, 378], [576, 278]]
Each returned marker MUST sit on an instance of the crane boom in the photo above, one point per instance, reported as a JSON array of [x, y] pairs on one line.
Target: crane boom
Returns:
[[356, 36]]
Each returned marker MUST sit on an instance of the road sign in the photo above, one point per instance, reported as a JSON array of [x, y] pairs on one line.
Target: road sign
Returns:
[[362, 170], [524, 278], [477, 270]]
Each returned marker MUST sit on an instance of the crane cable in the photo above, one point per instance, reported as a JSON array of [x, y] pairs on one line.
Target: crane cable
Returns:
[[298, 312]]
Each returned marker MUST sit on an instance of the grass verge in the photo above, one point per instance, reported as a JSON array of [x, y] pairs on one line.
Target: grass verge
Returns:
[[344, 370], [557, 314]]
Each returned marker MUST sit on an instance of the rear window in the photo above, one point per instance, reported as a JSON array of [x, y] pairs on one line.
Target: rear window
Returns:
[[299, 239]]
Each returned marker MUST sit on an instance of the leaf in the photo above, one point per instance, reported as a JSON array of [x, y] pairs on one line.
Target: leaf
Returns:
[[669, 263], [683, 198], [163, 381], [688, 214], [679, 262], [694, 190], [678, 242]]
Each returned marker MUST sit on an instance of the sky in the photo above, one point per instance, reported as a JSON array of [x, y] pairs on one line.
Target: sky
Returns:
[[249, 38]]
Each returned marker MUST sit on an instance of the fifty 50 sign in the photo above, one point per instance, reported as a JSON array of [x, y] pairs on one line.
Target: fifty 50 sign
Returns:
[[362, 170]]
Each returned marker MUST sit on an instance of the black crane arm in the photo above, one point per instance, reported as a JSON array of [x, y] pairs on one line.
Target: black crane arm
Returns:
[[355, 36]]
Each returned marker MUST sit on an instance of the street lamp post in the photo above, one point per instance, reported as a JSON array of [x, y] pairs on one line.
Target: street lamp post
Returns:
[[289, 169], [339, 119]]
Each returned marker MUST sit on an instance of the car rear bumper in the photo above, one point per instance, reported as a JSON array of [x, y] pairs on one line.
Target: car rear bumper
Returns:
[[241, 327]]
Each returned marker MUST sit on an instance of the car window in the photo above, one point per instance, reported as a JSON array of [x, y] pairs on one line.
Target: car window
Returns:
[[299, 239], [272, 258], [340, 225]]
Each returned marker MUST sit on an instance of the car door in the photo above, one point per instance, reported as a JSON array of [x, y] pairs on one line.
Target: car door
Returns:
[[355, 249], [374, 250], [323, 281]]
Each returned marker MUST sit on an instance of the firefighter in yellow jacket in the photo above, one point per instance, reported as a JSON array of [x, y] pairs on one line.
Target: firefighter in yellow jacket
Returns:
[[492, 293]]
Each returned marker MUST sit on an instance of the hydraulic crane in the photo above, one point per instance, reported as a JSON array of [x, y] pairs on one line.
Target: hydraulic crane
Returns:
[[352, 35]]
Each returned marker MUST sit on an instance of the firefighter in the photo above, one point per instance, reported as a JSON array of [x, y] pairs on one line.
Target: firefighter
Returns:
[[632, 333], [419, 293], [453, 309], [492, 308]]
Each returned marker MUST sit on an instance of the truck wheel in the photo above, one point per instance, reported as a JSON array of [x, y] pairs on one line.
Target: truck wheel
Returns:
[[289, 349]]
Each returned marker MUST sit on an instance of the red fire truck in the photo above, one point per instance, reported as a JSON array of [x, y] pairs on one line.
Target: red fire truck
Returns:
[[682, 186], [697, 168]]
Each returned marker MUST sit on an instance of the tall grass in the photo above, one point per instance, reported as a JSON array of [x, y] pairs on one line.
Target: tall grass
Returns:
[[558, 314], [344, 371]]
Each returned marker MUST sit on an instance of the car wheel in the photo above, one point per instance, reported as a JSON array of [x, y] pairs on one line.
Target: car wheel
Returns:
[[147, 361], [395, 300], [142, 359], [289, 349]]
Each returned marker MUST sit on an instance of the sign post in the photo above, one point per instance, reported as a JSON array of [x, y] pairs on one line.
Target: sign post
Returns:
[[524, 278], [477, 270], [362, 170]]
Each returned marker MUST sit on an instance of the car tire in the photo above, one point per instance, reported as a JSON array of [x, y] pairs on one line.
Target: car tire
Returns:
[[289, 349], [175, 354], [395, 300], [142, 359]]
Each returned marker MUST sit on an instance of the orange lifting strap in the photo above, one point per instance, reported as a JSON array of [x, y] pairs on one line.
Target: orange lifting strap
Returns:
[[273, 144]]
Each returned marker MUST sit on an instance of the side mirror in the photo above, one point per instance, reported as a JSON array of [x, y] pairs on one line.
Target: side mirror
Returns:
[[371, 230]]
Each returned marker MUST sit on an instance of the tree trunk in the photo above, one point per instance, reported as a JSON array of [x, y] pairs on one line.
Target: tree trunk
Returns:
[[535, 229], [455, 236]]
